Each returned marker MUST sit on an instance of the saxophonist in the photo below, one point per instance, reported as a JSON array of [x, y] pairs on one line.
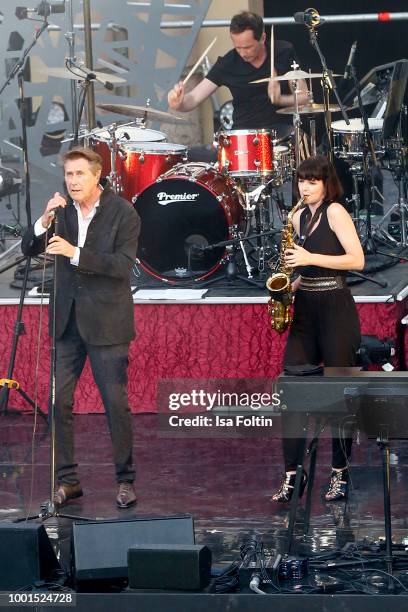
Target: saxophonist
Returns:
[[325, 328]]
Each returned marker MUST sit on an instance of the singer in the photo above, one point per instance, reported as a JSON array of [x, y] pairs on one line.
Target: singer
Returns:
[[95, 243]]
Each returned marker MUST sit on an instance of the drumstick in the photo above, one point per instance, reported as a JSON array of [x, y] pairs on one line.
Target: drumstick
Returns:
[[272, 57], [272, 52], [199, 61]]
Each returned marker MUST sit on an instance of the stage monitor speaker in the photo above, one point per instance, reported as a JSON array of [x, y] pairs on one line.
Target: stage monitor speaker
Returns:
[[172, 566], [100, 547], [26, 555]]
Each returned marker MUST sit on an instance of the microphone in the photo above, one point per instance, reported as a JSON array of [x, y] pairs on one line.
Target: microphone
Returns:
[[310, 17], [42, 10], [349, 65]]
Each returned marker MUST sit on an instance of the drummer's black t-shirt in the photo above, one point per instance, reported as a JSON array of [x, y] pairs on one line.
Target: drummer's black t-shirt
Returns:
[[252, 106]]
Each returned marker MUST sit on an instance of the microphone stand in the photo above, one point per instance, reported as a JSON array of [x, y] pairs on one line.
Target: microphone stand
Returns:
[[19, 328], [329, 84], [48, 508]]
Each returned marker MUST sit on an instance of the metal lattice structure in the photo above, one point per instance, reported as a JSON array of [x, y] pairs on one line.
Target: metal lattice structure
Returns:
[[127, 40]]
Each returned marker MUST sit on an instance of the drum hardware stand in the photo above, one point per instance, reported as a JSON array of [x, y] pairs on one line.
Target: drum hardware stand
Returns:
[[231, 269], [328, 81], [312, 120], [18, 70], [256, 215], [400, 207], [297, 122], [113, 177]]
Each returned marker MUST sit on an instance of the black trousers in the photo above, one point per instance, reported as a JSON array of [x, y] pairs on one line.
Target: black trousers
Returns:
[[325, 329], [109, 368]]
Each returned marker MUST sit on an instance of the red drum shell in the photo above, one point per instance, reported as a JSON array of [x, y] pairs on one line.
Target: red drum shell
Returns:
[[245, 152], [126, 134], [144, 163]]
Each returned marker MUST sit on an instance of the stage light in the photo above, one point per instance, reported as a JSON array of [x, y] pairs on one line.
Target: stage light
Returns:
[[10, 181]]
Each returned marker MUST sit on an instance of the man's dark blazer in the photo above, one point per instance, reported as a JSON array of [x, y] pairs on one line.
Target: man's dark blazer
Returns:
[[99, 287]]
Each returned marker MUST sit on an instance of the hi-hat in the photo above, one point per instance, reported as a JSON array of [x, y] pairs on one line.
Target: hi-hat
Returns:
[[141, 112], [308, 109], [64, 73], [294, 75]]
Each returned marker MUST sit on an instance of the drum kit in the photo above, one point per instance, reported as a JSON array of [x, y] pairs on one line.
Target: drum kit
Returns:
[[195, 217], [198, 218]]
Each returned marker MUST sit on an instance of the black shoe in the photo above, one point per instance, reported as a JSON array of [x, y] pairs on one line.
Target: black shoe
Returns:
[[285, 492], [339, 484]]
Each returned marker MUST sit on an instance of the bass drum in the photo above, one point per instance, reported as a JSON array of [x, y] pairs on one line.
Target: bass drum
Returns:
[[189, 208]]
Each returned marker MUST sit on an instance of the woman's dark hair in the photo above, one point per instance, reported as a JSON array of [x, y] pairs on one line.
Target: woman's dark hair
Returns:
[[320, 168], [247, 21]]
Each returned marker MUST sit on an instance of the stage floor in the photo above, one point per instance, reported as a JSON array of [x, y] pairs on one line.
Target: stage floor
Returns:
[[225, 484]]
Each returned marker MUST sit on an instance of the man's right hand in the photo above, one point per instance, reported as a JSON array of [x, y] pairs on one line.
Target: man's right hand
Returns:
[[49, 213], [175, 97]]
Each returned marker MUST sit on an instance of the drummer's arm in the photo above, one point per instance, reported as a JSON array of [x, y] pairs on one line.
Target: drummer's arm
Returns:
[[181, 101], [279, 99]]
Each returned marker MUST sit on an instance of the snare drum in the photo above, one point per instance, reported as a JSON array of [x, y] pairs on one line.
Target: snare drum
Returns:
[[140, 164], [187, 209], [100, 141], [244, 153], [349, 139]]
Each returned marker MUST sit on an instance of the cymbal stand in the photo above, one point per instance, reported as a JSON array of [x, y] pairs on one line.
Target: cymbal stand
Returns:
[[312, 121], [297, 123], [328, 84]]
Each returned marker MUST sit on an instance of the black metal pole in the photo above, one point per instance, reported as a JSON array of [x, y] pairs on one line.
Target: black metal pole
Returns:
[[89, 63], [385, 455]]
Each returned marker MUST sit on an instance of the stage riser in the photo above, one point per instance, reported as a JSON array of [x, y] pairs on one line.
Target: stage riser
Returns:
[[179, 341]]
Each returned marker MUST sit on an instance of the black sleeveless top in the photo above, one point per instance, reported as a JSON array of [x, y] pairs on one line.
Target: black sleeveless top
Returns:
[[321, 240]]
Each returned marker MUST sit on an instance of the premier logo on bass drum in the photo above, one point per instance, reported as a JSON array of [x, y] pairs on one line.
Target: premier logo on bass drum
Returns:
[[164, 198]]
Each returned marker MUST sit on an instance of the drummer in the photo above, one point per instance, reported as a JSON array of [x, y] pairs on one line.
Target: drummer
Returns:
[[248, 61]]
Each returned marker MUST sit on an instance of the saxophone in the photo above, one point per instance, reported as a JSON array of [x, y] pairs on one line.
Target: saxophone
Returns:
[[278, 283]]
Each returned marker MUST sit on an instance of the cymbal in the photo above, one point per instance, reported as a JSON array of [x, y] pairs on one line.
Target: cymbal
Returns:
[[142, 112], [293, 75], [308, 109], [63, 73]]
